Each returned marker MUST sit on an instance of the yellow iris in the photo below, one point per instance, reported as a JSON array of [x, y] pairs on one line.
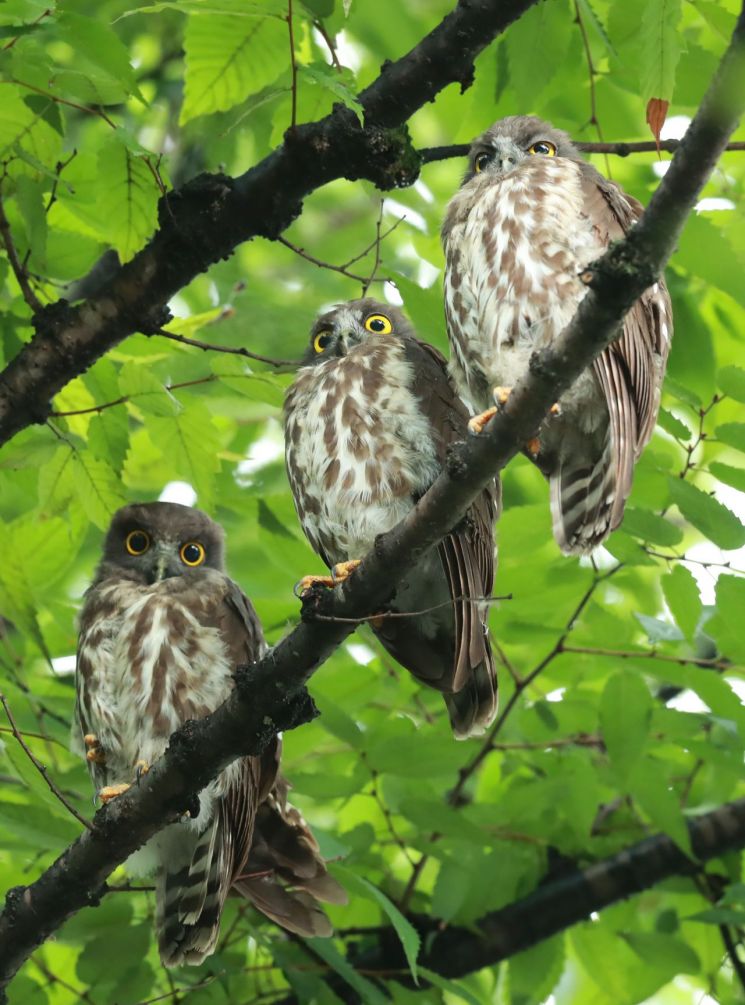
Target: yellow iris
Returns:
[[192, 553], [379, 324]]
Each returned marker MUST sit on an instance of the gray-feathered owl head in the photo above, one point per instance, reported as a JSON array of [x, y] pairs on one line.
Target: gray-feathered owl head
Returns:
[[511, 140], [347, 325], [154, 541]]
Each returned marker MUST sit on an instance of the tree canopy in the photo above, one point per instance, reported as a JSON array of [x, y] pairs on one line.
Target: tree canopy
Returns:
[[558, 859]]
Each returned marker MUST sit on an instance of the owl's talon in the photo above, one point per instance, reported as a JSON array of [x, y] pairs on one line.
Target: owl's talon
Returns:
[[343, 570], [477, 423], [306, 584], [533, 446], [501, 394], [95, 752], [141, 768], [109, 792], [555, 409]]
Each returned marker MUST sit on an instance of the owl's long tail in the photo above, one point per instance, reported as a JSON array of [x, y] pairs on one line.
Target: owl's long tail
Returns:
[[190, 894], [472, 709], [584, 508]]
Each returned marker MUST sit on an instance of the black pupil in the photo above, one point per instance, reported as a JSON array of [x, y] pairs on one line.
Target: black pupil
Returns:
[[323, 341], [377, 324], [542, 148], [192, 553], [482, 159], [138, 542]]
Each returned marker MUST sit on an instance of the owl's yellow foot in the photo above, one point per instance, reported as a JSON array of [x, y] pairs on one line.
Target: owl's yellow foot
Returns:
[[109, 792], [477, 423], [94, 751], [555, 409], [141, 768], [340, 572], [501, 395]]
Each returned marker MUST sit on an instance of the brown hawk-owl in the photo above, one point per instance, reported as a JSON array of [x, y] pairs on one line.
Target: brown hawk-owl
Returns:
[[161, 632], [528, 219], [368, 422]]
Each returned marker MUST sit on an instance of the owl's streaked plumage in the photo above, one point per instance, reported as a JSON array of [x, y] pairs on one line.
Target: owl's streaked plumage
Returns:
[[162, 630], [368, 422], [528, 219]]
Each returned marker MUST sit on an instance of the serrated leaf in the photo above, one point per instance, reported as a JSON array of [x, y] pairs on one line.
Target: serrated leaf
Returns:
[[95, 42], [682, 596], [128, 201], [718, 916], [625, 717], [238, 8], [340, 84], [682, 393], [536, 46], [108, 436], [658, 630], [661, 48], [673, 425], [228, 58], [731, 379], [647, 786], [726, 624], [404, 929], [728, 474], [652, 527], [367, 991], [535, 972], [732, 434], [97, 487], [452, 987], [142, 387], [190, 440], [708, 515]]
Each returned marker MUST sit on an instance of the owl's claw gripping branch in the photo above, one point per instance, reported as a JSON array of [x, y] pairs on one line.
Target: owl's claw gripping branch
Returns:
[[477, 423], [340, 572], [109, 792], [94, 752]]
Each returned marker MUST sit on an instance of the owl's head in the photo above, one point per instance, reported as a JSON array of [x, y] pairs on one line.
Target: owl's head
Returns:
[[511, 141], [155, 541], [348, 325]]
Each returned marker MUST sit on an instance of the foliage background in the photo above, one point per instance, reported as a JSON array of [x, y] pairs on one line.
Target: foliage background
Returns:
[[634, 717]]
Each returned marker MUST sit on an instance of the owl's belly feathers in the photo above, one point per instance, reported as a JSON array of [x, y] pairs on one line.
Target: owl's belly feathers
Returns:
[[151, 666], [358, 448], [512, 282]]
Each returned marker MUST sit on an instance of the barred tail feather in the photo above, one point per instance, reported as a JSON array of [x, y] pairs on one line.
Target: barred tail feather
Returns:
[[190, 894], [584, 507], [472, 709]]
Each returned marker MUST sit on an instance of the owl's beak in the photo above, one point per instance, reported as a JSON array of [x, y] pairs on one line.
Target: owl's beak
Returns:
[[347, 340], [507, 155], [160, 566]]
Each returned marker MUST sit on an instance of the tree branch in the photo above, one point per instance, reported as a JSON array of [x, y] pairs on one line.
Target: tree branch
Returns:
[[620, 148], [270, 695], [207, 218], [560, 903]]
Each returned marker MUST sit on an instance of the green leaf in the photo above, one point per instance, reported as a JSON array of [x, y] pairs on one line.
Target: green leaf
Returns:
[[731, 379], [129, 199], [535, 972], [96, 43], [367, 991], [190, 441], [728, 474], [648, 787], [649, 526], [452, 987], [726, 625], [660, 49], [228, 58], [625, 716], [536, 46], [732, 434], [707, 515], [664, 951], [340, 84], [146, 391], [404, 929], [673, 425], [98, 488], [682, 393], [681, 594]]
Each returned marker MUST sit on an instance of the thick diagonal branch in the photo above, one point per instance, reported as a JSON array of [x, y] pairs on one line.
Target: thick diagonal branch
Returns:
[[208, 218], [270, 696]]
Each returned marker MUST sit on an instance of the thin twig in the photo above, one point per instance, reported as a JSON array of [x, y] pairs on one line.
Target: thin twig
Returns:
[[12, 42], [88, 109], [649, 654], [36, 736], [15, 263], [620, 148], [342, 269], [737, 964], [385, 615], [321, 29], [594, 121], [58, 169], [231, 350], [40, 767], [53, 978], [376, 264]]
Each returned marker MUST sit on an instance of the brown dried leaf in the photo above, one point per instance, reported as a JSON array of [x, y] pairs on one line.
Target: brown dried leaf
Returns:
[[656, 115]]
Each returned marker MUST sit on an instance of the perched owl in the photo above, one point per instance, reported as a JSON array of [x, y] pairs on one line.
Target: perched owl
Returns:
[[161, 632], [368, 422], [528, 219]]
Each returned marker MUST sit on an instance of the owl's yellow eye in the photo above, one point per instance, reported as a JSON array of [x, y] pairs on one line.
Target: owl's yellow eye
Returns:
[[543, 147], [378, 324], [321, 340], [137, 542], [480, 163], [192, 553]]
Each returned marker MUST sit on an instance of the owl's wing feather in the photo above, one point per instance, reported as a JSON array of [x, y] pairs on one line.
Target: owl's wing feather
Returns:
[[467, 553], [630, 370]]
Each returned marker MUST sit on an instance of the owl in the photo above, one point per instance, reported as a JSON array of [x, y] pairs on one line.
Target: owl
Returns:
[[530, 216], [162, 630], [368, 421]]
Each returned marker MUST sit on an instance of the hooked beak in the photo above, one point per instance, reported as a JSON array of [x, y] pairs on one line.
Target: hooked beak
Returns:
[[347, 340], [507, 154], [160, 569]]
